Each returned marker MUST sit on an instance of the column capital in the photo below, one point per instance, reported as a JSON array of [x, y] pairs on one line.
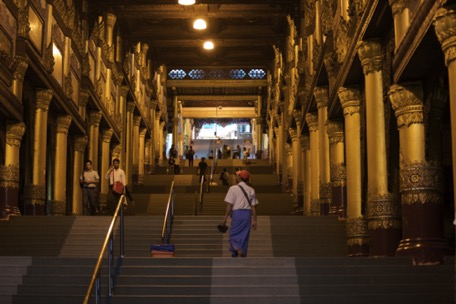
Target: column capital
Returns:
[[370, 55], [123, 91], [445, 29], [83, 97], [312, 121], [293, 134], [107, 134], [335, 130], [110, 19], [305, 143], [14, 133], [321, 96], [80, 143], [63, 123], [95, 118], [137, 120], [20, 66], [43, 99], [350, 99], [142, 132], [398, 6], [297, 115], [289, 149], [130, 107], [407, 102]]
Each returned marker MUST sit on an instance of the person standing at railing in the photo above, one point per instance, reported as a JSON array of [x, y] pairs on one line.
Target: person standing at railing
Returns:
[[241, 205], [115, 175]]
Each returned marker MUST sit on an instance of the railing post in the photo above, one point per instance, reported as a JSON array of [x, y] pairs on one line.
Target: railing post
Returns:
[[110, 270], [122, 241], [98, 289]]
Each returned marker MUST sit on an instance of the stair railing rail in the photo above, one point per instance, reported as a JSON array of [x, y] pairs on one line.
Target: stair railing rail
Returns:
[[200, 196], [169, 217], [108, 245], [213, 167]]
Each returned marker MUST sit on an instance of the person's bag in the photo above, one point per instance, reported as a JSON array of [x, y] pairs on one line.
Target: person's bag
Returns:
[[222, 228], [118, 187]]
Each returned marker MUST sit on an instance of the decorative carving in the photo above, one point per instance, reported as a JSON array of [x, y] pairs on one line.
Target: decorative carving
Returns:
[[80, 143], [321, 96], [63, 123], [35, 193], [357, 232], [421, 183], [338, 174], [305, 142], [137, 120], [99, 88], [312, 121], [330, 62], [335, 131], [49, 61], [327, 16], [23, 24], [445, 29], [315, 206], [370, 55], [350, 99], [20, 67], [85, 68], [293, 134], [382, 213], [68, 85], [309, 17], [9, 176], [95, 118], [342, 41], [83, 98], [43, 99], [398, 6], [14, 133], [107, 134], [407, 102], [58, 207]]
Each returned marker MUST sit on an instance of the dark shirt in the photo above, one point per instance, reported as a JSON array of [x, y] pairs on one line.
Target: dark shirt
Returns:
[[202, 166]]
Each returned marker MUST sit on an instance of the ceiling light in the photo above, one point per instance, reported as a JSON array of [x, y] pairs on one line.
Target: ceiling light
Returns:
[[199, 24], [186, 2], [208, 45]]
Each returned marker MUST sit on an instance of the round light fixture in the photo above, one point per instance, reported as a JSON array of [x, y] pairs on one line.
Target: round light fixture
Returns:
[[186, 2], [208, 45], [199, 24]]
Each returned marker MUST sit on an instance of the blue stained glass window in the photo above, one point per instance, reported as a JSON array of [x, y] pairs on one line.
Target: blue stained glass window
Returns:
[[177, 74], [257, 73], [197, 74], [237, 74]]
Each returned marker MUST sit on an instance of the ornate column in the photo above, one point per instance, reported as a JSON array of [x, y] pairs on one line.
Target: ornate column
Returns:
[[421, 187], [58, 206], [277, 151], [35, 194], [335, 131], [312, 122], [299, 155], [382, 212], [357, 230], [142, 136], [306, 170], [289, 165], [94, 132], [105, 164], [153, 106], [162, 137], [135, 148], [123, 112], [259, 139], [147, 156], [321, 98], [83, 99], [156, 139], [296, 162], [9, 173], [129, 142], [444, 25], [19, 69], [175, 122], [401, 15], [80, 144]]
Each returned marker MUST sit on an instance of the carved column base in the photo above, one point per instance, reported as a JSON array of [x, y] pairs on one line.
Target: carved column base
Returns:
[[9, 202], [357, 238], [58, 207], [339, 202], [315, 207], [422, 214], [325, 198], [384, 226], [35, 200]]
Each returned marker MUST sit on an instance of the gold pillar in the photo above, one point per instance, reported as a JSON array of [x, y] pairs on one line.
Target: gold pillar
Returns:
[[335, 131], [259, 139], [147, 157], [282, 153], [296, 164], [321, 98], [289, 165], [83, 99], [276, 153], [162, 137], [357, 230], [35, 194], [142, 136], [80, 144], [110, 22], [58, 206], [19, 67], [312, 122], [105, 164], [401, 15], [135, 148], [156, 138], [122, 110], [382, 211], [9, 173], [444, 25], [299, 155], [129, 142], [421, 188], [175, 121], [94, 132], [153, 145], [306, 170]]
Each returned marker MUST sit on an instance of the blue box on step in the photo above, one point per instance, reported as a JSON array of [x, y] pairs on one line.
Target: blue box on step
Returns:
[[162, 250]]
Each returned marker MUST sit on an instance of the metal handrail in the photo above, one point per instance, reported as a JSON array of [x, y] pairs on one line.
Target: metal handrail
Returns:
[[213, 167], [169, 217], [96, 276]]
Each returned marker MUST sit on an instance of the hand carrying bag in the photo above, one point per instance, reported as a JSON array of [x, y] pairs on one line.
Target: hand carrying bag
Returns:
[[118, 187]]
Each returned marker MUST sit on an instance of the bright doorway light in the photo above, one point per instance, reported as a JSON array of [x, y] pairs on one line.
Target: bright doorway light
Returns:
[[208, 45], [186, 2], [199, 24]]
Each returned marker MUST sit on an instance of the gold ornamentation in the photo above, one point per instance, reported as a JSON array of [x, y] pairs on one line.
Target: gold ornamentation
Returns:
[[23, 24], [68, 85], [14, 133], [20, 67], [357, 232], [9, 176], [83, 98], [315, 206], [338, 174], [43, 99], [383, 213], [335, 131], [107, 134], [99, 88], [350, 99], [63, 123], [131, 108], [80, 143], [321, 96], [370, 55], [58, 207], [85, 68], [398, 6], [407, 102], [445, 29], [137, 120], [421, 183], [312, 121], [325, 193], [35, 193], [342, 41], [309, 16], [305, 142], [293, 134], [49, 61], [95, 118], [330, 62], [327, 16]]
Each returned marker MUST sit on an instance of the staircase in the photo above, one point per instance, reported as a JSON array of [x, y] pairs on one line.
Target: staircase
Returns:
[[291, 259]]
